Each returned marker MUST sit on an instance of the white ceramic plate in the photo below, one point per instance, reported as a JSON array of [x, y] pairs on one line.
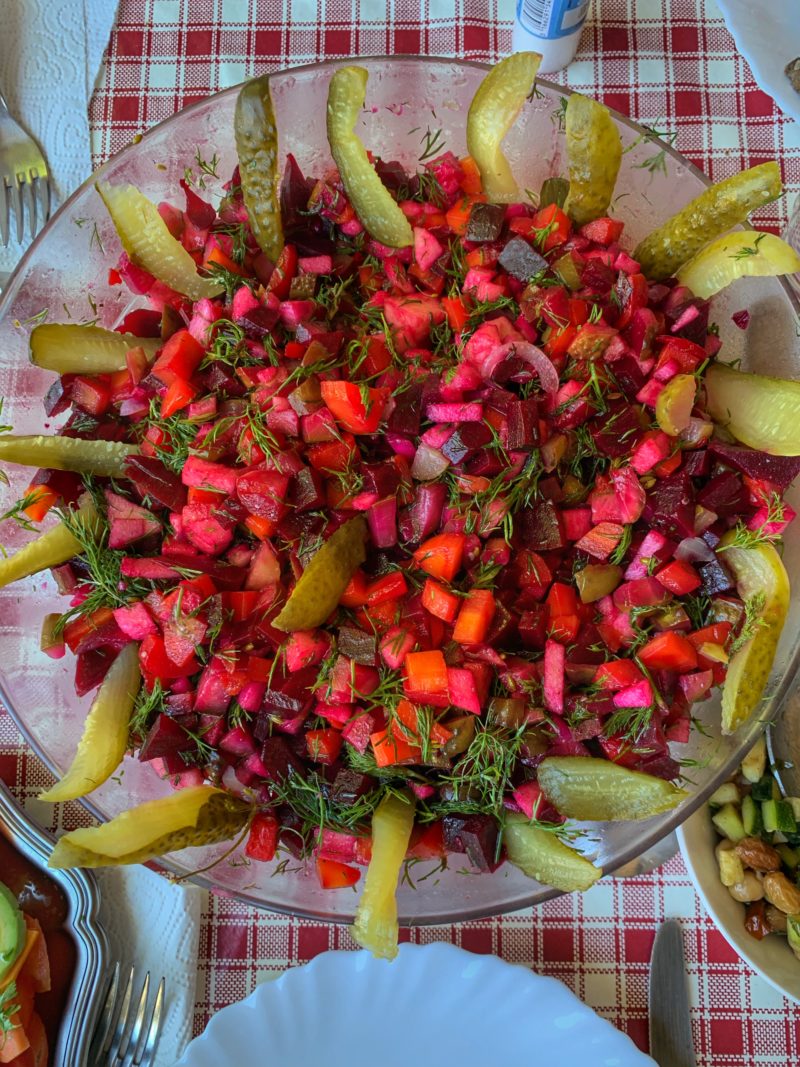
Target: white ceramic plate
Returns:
[[767, 33], [434, 1005], [771, 958]]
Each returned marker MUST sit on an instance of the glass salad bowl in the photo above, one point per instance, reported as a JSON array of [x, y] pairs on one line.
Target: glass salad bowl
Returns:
[[66, 272]]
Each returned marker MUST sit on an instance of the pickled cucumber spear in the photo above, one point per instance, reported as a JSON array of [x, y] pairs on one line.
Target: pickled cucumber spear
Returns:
[[763, 584], [542, 855], [594, 152], [105, 732], [148, 242], [492, 113], [745, 253], [599, 790], [68, 348], [325, 578], [66, 454], [759, 411], [256, 135], [199, 815], [717, 209], [375, 206]]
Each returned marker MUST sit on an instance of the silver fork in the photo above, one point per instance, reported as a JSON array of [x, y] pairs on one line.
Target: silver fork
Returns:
[[128, 1030], [24, 177]]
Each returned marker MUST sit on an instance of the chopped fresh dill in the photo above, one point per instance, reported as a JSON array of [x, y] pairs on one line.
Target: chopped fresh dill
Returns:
[[8, 1009], [745, 538], [753, 619], [432, 143], [751, 250], [629, 723], [621, 551]]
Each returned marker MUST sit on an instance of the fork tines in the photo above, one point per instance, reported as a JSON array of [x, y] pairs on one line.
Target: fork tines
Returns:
[[27, 195], [129, 1027]]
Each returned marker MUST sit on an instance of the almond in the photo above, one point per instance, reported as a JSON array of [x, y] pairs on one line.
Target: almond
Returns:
[[780, 892], [758, 855]]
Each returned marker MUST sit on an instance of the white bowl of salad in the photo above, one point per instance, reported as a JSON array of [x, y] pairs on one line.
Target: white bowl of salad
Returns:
[[408, 517]]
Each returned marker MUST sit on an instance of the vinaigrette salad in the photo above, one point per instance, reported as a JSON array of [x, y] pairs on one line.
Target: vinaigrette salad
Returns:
[[409, 514]]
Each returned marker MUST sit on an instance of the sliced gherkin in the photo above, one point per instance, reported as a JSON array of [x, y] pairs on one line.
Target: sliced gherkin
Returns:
[[745, 253], [760, 411], [256, 136], [148, 242], [709, 215], [105, 732], [199, 815], [492, 113], [66, 454], [325, 578], [375, 926], [71, 349], [543, 856], [48, 550], [761, 581], [585, 787], [594, 152], [375, 206]]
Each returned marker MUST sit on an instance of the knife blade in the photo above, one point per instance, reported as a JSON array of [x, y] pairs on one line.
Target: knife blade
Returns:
[[671, 1043]]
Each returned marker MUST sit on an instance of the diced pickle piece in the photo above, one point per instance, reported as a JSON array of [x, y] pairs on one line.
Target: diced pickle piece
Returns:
[[67, 454], [375, 206], [761, 579], [492, 113], [148, 242], [325, 578], [584, 787], [199, 815], [105, 732], [736, 255], [256, 136], [759, 411], [716, 210], [597, 580], [375, 926], [674, 404], [594, 152], [543, 856], [68, 348], [49, 550]]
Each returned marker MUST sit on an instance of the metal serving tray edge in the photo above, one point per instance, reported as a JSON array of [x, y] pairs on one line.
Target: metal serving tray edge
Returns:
[[91, 964]]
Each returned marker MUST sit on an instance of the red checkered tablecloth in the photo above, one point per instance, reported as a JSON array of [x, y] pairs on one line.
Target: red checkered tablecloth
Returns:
[[669, 63]]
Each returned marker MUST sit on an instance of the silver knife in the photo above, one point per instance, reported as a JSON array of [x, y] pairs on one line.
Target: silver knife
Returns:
[[671, 1043], [3, 280]]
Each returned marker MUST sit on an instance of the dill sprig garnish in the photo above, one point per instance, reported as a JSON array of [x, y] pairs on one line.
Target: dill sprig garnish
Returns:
[[745, 538], [753, 620], [482, 776], [104, 580], [8, 1008]]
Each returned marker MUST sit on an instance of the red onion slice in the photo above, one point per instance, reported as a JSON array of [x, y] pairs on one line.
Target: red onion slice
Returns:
[[530, 354]]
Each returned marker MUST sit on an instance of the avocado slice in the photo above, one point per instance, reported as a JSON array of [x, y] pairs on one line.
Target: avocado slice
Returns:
[[12, 930]]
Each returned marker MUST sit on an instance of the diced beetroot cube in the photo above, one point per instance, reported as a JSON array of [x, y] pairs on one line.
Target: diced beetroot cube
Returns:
[[638, 695], [250, 769], [212, 696], [655, 546], [304, 648], [91, 668], [358, 730], [265, 569], [651, 451], [165, 737], [553, 681], [577, 522], [395, 645], [462, 690], [238, 741], [152, 480], [205, 528], [202, 474], [251, 695], [244, 301], [640, 593], [601, 540], [135, 621], [336, 714]]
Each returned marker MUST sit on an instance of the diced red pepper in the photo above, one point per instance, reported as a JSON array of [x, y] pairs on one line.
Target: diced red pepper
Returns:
[[475, 617], [688, 354], [240, 603], [617, 674], [564, 628], [440, 601], [679, 577], [427, 842], [441, 556], [408, 714], [562, 599], [355, 594], [260, 527], [669, 652], [156, 662], [549, 225], [180, 357], [217, 258], [358, 409], [458, 215], [389, 587], [178, 395], [635, 296], [335, 875], [456, 311], [324, 746], [716, 634], [262, 841], [280, 281], [333, 455]]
